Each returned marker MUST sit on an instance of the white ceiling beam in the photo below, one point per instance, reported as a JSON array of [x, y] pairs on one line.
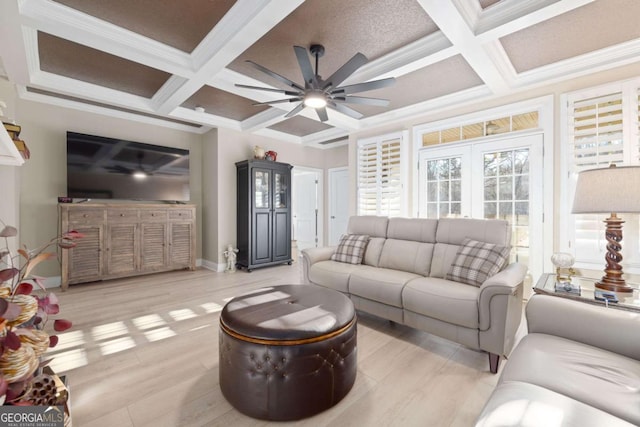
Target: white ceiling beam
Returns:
[[224, 43], [263, 119], [423, 52], [510, 16], [23, 93], [454, 26], [89, 91], [325, 135], [65, 22], [203, 118]]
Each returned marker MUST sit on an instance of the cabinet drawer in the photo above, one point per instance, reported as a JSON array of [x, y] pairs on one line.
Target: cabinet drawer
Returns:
[[122, 215], [181, 214], [151, 215], [86, 216]]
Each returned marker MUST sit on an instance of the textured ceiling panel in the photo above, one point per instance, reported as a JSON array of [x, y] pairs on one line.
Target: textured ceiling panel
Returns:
[[372, 27], [442, 78], [69, 59], [300, 126], [223, 104], [594, 26], [181, 24]]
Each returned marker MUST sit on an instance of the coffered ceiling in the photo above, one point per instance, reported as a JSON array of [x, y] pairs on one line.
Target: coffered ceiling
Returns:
[[177, 63]]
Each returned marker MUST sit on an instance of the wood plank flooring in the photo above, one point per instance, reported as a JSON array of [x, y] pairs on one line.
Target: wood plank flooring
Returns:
[[144, 352]]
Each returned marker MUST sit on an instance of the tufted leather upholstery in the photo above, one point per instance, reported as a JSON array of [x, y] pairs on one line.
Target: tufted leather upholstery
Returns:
[[308, 366]]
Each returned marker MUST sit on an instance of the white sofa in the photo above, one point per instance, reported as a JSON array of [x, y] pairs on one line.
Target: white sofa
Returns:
[[578, 366], [403, 278]]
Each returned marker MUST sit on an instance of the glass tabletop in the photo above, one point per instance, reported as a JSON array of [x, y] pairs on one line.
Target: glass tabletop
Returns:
[[583, 289]]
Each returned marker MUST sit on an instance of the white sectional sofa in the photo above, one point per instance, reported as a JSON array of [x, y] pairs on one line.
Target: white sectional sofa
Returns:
[[578, 366], [403, 278]]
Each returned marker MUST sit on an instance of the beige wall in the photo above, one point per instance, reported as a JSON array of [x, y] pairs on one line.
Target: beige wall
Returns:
[[43, 176], [232, 147]]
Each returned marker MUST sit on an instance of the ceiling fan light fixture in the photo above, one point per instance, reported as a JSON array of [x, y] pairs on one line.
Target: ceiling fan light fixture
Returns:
[[315, 99], [139, 175]]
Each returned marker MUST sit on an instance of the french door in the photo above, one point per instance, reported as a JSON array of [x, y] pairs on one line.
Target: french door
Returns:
[[495, 179]]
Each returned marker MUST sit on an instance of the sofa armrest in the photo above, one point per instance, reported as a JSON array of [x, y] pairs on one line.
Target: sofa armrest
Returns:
[[311, 256], [503, 283], [607, 328], [500, 309]]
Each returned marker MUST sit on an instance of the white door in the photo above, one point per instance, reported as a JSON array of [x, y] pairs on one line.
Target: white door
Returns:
[[338, 204], [497, 179], [305, 208]]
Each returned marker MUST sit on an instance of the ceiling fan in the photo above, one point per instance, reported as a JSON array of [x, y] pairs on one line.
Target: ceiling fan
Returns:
[[321, 93]]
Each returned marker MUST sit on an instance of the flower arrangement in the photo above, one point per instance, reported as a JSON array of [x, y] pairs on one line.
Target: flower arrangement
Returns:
[[23, 319]]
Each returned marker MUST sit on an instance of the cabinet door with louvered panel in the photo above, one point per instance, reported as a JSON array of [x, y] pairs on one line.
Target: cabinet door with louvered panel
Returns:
[[153, 248], [181, 245], [121, 251], [85, 260]]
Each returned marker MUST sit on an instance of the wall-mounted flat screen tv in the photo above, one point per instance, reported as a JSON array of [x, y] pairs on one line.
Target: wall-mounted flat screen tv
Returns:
[[108, 168]]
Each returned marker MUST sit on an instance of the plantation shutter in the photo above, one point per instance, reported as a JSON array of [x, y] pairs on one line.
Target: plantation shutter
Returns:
[[380, 190], [598, 136], [596, 141]]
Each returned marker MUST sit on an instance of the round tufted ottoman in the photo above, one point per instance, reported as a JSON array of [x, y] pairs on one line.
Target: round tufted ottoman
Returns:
[[287, 352]]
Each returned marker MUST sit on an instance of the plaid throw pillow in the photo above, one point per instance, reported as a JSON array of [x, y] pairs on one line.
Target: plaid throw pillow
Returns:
[[351, 248], [477, 261]]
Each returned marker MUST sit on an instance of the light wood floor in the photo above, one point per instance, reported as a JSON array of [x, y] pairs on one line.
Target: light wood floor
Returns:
[[144, 352]]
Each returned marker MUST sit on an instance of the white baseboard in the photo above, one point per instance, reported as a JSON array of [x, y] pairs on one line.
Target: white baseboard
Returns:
[[213, 266], [51, 282]]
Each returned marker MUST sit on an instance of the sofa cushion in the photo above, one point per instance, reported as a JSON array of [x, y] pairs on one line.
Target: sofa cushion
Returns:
[[443, 256], [412, 229], [351, 248], [476, 261], [372, 251], [442, 299], [332, 274], [453, 231], [380, 284], [521, 404], [404, 255], [374, 226], [596, 377]]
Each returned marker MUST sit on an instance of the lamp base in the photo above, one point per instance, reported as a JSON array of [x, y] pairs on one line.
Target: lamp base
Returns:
[[613, 285]]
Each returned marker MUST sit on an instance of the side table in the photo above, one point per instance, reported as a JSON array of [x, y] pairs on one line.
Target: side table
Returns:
[[626, 301]]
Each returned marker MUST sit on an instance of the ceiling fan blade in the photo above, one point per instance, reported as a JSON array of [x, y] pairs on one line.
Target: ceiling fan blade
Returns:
[[363, 87], [305, 66], [296, 110], [276, 76], [277, 101], [379, 102], [357, 61], [269, 89], [345, 110], [322, 114]]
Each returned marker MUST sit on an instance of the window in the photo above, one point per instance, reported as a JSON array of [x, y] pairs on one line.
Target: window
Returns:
[[381, 176], [601, 128]]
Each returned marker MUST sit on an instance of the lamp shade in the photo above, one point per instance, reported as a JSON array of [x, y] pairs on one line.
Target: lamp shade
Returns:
[[612, 189]]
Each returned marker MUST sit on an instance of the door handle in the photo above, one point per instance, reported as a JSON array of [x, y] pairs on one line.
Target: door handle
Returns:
[[333, 217]]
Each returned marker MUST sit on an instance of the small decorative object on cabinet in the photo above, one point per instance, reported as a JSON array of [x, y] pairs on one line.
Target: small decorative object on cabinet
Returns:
[[264, 213], [124, 240], [258, 153]]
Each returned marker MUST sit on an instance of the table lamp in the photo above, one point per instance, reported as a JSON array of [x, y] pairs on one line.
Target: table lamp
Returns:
[[610, 190]]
